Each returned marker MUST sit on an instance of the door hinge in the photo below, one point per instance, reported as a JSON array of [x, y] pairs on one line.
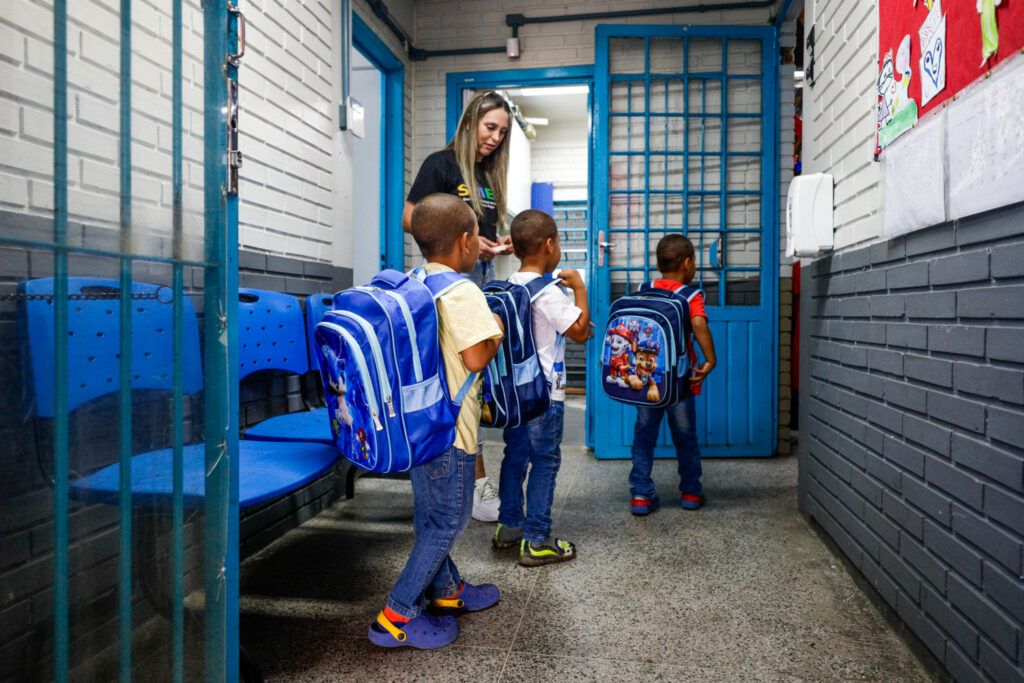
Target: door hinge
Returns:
[[234, 155]]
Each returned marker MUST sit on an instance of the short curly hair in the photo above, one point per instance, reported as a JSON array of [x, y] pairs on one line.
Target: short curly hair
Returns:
[[438, 220], [672, 251]]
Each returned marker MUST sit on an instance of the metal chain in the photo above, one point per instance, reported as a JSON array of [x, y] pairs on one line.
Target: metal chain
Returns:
[[93, 296]]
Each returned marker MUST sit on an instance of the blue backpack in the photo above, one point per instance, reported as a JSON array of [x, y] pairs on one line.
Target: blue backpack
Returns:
[[515, 389], [644, 360], [380, 360]]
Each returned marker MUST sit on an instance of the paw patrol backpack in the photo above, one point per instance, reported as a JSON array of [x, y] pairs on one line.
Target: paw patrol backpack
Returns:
[[644, 360], [515, 389], [380, 359]]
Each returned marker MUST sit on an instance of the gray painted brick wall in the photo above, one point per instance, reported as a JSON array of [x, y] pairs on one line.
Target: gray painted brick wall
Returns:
[[26, 500], [912, 430]]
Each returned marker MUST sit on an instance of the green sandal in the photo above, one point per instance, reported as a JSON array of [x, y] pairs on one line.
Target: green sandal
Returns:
[[536, 554]]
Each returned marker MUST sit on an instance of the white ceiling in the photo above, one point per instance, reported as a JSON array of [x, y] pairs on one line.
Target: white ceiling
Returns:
[[558, 109]]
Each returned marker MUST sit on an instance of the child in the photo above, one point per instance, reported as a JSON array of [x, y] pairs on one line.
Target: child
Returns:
[[536, 443], [446, 231], [676, 263]]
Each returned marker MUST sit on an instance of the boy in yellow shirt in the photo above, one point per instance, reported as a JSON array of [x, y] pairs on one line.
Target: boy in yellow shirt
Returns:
[[445, 229]]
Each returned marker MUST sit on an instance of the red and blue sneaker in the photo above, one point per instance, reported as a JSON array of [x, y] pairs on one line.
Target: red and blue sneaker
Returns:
[[691, 501], [469, 598], [425, 632], [642, 505]]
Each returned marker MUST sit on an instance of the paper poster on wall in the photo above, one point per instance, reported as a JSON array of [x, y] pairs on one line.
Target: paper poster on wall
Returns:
[[913, 174], [933, 65], [932, 35], [986, 144], [948, 38], [897, 112], [989, 28]]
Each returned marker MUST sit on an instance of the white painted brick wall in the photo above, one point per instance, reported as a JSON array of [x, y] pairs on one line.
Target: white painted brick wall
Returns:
[[288, 122], [839, 114], [26, 113], [559, 156], [295, 183]]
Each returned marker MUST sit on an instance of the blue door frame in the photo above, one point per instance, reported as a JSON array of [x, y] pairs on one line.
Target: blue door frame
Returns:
[[392, 152], [737, 413], [457, 83]]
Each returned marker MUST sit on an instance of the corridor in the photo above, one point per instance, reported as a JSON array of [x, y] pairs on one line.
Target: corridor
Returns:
[[742, 590]]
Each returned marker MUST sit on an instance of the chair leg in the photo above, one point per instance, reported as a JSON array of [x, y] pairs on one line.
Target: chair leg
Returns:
[[350, 481], [248, 668]]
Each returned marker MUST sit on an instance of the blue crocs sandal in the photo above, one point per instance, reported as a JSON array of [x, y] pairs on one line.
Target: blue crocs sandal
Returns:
[[691, 501], [642, 505], [470, 598], [425, 632]]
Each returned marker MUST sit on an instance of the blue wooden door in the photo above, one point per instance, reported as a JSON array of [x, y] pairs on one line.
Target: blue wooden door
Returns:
[[686, 124]]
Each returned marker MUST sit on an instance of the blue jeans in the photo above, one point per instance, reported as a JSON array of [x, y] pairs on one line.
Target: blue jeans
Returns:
[[682, 423], [442, 492], [536, 445], [482, 273]]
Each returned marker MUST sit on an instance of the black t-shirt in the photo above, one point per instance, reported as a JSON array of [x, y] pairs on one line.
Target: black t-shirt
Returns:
[[440, 173]]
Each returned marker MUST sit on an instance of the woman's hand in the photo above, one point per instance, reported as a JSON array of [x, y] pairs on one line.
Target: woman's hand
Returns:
[[487, 251]]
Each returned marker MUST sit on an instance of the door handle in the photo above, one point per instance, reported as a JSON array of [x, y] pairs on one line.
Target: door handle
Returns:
[[713, 257], [601, 246], [233, 58]]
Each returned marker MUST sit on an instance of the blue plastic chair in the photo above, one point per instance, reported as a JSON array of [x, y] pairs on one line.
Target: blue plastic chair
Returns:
[[316, 306], [266, 470], [272, 335]]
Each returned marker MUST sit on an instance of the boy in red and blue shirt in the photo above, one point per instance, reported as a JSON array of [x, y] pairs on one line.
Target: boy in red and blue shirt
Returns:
[[676, 262]]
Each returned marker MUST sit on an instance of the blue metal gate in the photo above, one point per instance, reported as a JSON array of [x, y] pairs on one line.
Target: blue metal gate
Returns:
[[136, 217], [573, 232], [685, 124]]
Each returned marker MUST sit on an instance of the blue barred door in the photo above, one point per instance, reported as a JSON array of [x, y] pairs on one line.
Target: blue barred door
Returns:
[[686, 126], [130, 142]]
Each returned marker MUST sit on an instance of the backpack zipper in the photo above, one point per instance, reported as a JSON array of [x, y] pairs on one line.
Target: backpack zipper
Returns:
[[378, 356], [510, 301], [407, 314]]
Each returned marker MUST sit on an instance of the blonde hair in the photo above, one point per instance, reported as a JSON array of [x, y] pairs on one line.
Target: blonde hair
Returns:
[[494, 165]]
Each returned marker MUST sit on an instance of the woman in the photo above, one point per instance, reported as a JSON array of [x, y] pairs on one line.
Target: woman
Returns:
[[474, 166]]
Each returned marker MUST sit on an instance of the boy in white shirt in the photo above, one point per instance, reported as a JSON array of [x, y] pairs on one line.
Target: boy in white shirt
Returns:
[[536, 444]]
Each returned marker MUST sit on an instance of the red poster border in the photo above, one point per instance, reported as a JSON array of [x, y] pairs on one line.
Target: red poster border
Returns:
[[964, 65]]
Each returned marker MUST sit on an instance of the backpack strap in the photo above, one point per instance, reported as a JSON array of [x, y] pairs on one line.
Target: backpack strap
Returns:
[[439, 284], [686, 292], [464, 389], [557, 366], [539, 284]]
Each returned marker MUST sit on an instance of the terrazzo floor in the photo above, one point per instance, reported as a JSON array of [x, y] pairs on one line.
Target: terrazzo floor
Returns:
[[742, 590]]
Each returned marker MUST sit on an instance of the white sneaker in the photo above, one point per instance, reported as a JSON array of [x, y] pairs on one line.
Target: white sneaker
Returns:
[[485, 500]]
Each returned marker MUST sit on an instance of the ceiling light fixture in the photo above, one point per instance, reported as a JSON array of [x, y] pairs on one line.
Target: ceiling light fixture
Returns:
[[555, 90]]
